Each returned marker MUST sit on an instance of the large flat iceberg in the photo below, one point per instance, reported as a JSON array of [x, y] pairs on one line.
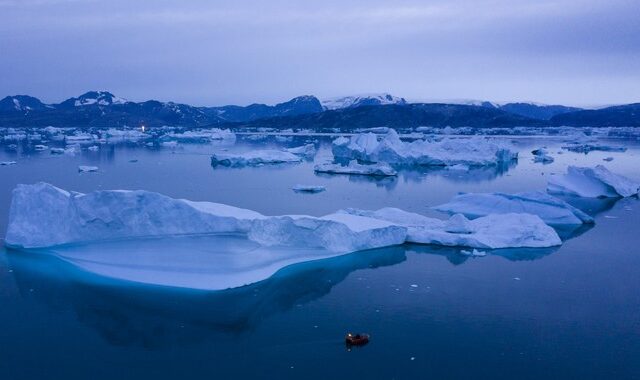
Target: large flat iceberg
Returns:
[[254, 158], [390, 149], [492, 231], [596, 182], [42, 215], [92, 230], [551, 210]]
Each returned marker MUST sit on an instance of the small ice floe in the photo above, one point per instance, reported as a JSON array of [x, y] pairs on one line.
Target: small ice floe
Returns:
[[307, 150], [542, 155], [7, 163], [608, 159], [380, 170], [308, 189], [87, 169], [254, 158], [516, 278], [459, 168], [93, 148], [40, 148], [579, 147], [284, 139], [169, 144], [550, 209], [592, 183], [57, 150], [473, 253], [133, 160]]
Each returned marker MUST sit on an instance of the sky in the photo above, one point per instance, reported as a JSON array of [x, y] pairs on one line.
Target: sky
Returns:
[[574, 52]]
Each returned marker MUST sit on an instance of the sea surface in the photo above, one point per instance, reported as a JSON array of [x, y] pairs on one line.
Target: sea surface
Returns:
[[568, 312]]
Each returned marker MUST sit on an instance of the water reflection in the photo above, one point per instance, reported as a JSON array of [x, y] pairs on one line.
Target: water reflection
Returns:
[[125, 314]]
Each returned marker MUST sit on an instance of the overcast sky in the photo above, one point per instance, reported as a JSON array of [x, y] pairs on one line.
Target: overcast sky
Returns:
[[577, 52]]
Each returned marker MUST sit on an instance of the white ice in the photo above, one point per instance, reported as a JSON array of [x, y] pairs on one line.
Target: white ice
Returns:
[[550, 209], [254, 158], [380, 170], [390, 149], [596, 182], [492, 231]]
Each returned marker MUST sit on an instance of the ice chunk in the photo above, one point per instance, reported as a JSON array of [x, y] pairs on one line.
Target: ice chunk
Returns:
[[381, 170], [592, 183], [491, 231], [307, 150], [542, 155], [87, 169], [308, 189], [550, 209], [448, 152], [579, 147], [40, 147], [93, 148], [42, 215], [254, 158], [7, 163]]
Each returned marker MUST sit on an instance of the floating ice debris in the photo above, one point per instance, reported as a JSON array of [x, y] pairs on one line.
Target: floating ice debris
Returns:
[[254, 158], [550, 209], [133, 160], [93, 148], [542, 155], [7, 163], [12, 147], [517, 278], [308, 189], [579, 147], [284, 139], [169, 144], [57, 150], [201, 136], [40, 147], [459, 168], [608, 159], [381, 170], [592, 183], [87, 169], [80, 138], [448, 152], [491, 231], [474, 253], [307, 150]]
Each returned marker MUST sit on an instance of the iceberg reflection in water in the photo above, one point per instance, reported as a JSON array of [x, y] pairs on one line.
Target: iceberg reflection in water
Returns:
[[129, 314]]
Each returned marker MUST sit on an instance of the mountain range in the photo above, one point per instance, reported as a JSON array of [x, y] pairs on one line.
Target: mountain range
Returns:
[[103, 109]]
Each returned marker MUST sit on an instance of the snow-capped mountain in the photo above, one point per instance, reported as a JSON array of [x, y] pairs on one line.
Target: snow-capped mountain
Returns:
[[361, 100], [21, 103], [100, 98]]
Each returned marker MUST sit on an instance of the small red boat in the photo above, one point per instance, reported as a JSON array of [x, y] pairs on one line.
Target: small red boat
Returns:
[[356, 339]]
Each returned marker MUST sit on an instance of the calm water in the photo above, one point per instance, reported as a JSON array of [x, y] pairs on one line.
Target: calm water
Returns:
[[567, 312]]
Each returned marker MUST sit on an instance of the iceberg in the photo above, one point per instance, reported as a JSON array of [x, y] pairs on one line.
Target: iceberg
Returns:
[[379, 170], [448, 152], [551, 210], [87, 169], [592, 183], [308, 189], [240, 246], [254, 158], [42, 215], [490, 232]]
